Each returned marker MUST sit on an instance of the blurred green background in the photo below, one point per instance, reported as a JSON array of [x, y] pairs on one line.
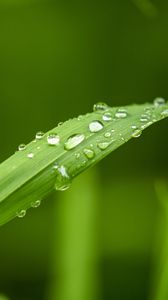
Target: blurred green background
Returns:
[[98, 240]]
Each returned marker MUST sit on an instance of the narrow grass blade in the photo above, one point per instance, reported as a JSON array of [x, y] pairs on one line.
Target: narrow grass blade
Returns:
[[52, 160]]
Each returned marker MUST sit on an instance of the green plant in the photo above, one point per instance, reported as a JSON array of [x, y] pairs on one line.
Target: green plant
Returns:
[[53, 159]]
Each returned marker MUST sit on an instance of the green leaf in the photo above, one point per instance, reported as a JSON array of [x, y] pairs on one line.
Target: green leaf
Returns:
[[32, 173]]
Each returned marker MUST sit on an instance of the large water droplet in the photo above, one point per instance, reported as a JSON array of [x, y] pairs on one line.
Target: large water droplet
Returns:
[[136, 133], [30, 155], [89, 153], [36, 203], [100, 106], [73, 141], [39, 135], [107, 117], [63, 180], [95, 126], [22, 147], [21, 213], [121, 113], [159, 101], [53, 139]]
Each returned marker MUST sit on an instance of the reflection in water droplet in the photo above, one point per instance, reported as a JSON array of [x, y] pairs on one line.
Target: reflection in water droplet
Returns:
[[89, 153], [73, 141], [121, 113], [107, 117], [100, 106], [159, 101], [53, 139], [21, 213], [95, 126], [22, 147], [136, 133], [63, 180], [39, 135], [30, 155]]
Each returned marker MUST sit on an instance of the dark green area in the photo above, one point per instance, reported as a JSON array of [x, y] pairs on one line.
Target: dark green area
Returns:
[[56, 60]]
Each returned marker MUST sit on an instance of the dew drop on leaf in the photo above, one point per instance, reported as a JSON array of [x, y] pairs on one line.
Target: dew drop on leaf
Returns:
[[39, 135], [159, 102], [107, 117], [136, 133], [121, 113], [100, 106], [21, 213], [103, 145], [22, 147], [164, 113], [95, 126], [89, 153], [30, 155], [53, 139], [36, 203], [107, 134], [63, 180], [73, 141]]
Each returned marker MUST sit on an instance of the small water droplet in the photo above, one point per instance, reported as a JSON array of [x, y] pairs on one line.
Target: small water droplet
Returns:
[[60, 123], [39, 135], [107, 134], [103, 145], [134, 127], [63, 180], [30, 155], [144, 118], [136, 133], [121, 113], [159, 102], [100, 106], [89, 153], [22, 147], [95, 126], [53, 139], [164, 113], [107, 117], [73, 141], [36, 203], [21, 213]]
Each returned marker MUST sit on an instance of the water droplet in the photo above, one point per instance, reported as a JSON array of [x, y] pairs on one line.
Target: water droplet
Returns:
[[159, 101], [36, 203], [103, 145], [53, 139], [144, 118], [30, 155], [73, 141], [107, 117], [164, 113], [136, 133], [63, 180], [60, 123], [39, 135], [121, 113], [89, 153], [21, 213], [107, 134], [100, 106], [134, 127], [95, 126], [22, 147]]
